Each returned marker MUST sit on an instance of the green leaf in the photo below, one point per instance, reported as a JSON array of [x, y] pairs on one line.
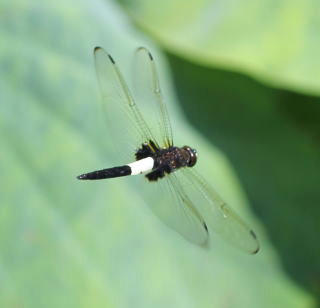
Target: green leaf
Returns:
[[274, 41], [66, 243], [274, 148]]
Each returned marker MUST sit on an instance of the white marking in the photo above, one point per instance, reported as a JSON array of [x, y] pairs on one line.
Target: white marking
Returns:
[[142, 165]]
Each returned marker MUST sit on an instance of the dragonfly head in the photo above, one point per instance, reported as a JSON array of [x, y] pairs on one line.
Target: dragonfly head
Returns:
[[193, 155]]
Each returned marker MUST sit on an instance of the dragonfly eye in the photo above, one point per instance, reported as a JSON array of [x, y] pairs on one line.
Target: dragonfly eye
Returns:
[[193, 155]]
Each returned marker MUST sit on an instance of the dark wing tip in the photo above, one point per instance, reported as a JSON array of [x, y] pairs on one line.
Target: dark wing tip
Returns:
[[255, 237], [147, 51], [111, 59], [205, 227], [205, 244], [256, 251], [97, 48], [150, 55], [253, 234]]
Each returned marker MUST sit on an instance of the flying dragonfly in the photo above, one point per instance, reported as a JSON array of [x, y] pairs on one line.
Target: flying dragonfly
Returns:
[[187, 204]]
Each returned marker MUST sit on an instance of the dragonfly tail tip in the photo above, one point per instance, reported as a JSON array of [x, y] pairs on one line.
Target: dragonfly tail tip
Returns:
[[81, 177]]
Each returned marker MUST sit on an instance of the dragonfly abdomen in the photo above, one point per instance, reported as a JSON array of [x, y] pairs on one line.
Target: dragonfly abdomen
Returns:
[[137, 167]]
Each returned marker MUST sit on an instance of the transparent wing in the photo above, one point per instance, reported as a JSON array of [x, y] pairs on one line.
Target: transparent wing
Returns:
[[218, 216], [175, 209], [123, 118], [148, 92]]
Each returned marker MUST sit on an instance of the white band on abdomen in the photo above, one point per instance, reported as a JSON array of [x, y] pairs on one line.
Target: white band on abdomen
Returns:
[[142, 165]]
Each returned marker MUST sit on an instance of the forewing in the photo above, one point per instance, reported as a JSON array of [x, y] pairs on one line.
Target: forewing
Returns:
[[124, 120], [218, 216], [148, 93], [175, 209]]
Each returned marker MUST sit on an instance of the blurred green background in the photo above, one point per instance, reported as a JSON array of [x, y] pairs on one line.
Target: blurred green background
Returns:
[[242, 83]]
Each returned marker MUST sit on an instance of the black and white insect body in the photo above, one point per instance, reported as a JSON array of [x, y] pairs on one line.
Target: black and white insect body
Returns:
[[158, 162], [189, 205]]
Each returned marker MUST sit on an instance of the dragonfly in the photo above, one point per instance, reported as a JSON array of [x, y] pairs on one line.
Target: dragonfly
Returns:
[[187, 202]]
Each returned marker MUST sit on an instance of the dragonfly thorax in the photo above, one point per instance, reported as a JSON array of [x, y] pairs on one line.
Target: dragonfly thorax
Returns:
[[167, 160]]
